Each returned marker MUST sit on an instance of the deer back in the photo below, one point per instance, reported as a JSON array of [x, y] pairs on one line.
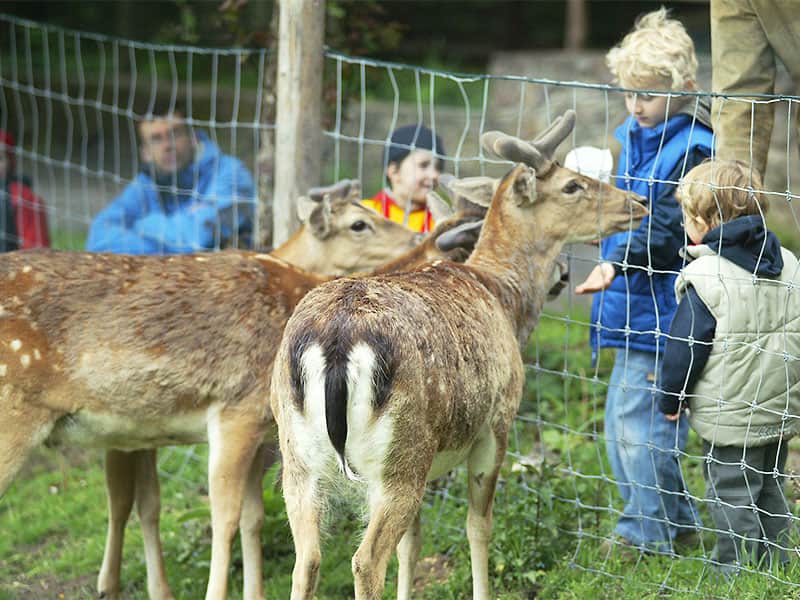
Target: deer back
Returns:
[[142, 336]]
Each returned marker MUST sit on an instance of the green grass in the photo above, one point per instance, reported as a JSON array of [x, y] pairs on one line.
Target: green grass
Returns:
[[68, 239], [548, 521]]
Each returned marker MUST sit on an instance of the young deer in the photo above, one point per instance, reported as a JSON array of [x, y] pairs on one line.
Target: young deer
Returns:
[[131, 353], [398, 378]]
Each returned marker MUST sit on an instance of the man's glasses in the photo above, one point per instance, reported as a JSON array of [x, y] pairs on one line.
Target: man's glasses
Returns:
[[156, 139]]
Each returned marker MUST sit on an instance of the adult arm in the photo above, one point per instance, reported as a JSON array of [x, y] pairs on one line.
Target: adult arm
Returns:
[[687, 350], [112, 228]]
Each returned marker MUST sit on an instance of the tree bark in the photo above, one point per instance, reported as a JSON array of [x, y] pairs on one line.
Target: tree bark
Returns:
[[266, 152], [298, 133], [577, 25]]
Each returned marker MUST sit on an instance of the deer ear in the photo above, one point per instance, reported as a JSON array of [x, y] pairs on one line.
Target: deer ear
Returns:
[[462, 236], [438, 208], [305, 206], [523, 189], [478, 190], [320, 218], [354, 195]]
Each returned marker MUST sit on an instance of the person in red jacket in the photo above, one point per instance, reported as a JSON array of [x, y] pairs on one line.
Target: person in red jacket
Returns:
[[23, 219]]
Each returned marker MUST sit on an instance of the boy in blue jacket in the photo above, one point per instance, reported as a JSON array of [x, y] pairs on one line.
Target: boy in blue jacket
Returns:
[[187, 197], [664, 136]]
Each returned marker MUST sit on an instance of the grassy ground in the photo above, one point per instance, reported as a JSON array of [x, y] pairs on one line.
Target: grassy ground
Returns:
[[554, 506]]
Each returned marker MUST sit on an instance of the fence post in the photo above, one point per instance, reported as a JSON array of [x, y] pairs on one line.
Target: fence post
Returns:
[[298, 128]]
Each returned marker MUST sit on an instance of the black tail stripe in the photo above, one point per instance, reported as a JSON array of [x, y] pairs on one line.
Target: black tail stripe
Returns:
[[385, 367], [298, 346], [336, 401]]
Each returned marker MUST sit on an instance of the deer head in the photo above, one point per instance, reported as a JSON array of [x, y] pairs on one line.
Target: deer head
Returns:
[[558, 203], [339, 235]]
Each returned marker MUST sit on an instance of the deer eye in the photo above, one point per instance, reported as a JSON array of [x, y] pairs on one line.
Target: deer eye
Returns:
[[572, 187], [358, 226]]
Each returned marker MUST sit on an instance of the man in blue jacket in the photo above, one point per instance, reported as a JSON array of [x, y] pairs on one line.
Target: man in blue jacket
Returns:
[[187, 196]]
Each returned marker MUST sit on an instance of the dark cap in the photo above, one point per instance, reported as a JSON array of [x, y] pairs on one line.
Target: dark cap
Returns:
[[418, 136]]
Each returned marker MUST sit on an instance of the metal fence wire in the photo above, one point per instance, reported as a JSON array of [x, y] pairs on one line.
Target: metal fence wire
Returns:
[[73, 100]]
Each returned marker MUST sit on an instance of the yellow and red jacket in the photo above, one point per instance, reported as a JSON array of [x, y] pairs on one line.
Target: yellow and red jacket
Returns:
[[418, 220]]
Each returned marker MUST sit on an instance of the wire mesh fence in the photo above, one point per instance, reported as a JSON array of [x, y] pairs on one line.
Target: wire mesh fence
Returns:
[[73, 101]]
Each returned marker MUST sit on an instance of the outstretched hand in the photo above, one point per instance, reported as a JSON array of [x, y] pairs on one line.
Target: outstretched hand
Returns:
[[599, 279]]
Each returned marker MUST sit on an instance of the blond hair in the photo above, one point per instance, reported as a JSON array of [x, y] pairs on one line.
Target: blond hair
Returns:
[[718, 191], [658, 50]]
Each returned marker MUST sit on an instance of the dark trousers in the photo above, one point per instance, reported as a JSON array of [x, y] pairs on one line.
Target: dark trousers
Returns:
[[748, 507]]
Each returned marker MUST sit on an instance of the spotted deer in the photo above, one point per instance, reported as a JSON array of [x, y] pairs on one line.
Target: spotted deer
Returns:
[[392, 380], [131, 353]]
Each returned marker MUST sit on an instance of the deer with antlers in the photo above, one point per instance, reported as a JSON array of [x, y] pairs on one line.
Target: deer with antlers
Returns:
[[131, 353], [392, 380]]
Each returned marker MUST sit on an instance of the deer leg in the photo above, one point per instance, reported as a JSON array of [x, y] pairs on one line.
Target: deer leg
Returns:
[[391, 515], [24, 428], [120, 483], [233, 440], [148, 505], [303, 508], [483, 467], [252, 520], [407, 556]]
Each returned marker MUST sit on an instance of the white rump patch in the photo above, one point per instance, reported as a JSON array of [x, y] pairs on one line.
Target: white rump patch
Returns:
[[368, 438], [15, 345], [309, 429], [25, 360], [3, 370]]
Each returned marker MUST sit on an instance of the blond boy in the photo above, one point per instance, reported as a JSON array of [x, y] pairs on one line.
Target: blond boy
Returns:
[[732, 358], [665, 134]]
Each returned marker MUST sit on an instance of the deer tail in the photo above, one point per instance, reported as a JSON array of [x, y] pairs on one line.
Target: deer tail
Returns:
[[336, 395]]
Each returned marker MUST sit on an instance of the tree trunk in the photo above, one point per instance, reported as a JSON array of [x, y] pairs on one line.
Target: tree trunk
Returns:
[[298, 128], [577, 25], [266, 153]]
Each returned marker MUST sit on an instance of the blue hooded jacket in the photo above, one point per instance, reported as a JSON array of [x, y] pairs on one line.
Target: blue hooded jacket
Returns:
[[636, 311], [209, 204]]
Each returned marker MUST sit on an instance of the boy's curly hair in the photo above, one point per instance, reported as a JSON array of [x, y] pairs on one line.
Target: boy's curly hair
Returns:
[[658, 49], [719, 191]]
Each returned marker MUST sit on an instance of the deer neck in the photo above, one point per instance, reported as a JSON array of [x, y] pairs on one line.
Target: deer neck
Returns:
[[518, 264], [299, 250]]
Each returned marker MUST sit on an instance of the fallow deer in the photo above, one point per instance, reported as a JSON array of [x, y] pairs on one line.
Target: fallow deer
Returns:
[[131, 353], [397, 378]]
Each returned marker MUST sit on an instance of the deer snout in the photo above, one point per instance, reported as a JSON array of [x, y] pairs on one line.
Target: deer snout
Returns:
[[637, 205]]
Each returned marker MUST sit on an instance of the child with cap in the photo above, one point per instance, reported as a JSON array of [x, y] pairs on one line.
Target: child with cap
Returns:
[[413, 167]]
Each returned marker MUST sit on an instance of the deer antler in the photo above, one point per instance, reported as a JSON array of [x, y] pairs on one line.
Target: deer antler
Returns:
[[341, 192], [537, 153]]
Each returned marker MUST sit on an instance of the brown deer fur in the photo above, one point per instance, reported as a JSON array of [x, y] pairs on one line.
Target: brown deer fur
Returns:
[[131, 353], [397, 378]]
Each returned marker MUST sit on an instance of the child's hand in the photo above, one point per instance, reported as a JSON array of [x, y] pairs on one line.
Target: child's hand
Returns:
[[674, 417], [599, 279]]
